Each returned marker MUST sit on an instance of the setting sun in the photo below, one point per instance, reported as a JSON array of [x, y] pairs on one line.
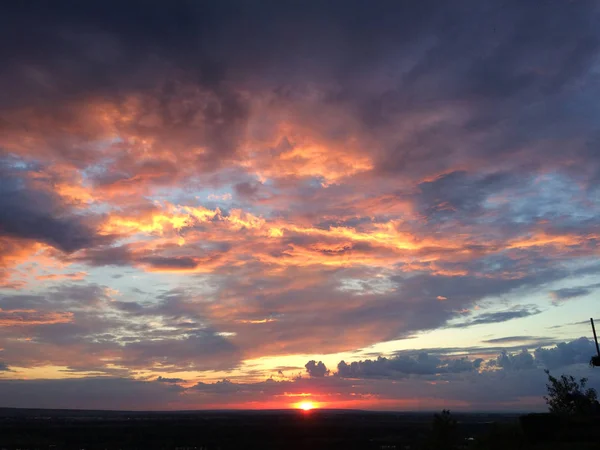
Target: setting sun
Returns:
[[306, 406]]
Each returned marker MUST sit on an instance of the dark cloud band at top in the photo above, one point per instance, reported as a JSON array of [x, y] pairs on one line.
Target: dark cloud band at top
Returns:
[[488, 62]]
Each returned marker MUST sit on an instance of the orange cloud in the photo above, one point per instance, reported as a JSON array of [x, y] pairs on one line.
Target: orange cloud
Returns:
[[542, 239], [62, 276], [31, 317]]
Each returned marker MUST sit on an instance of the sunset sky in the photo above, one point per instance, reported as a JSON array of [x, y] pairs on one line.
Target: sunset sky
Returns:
[[381, 205]]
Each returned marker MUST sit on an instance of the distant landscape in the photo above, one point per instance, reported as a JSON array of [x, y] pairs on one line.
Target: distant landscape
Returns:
[[71, 429], [38, 429]]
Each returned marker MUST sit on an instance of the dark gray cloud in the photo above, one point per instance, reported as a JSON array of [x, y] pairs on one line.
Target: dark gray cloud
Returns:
[[169, 380], [177, 306], [581, 322], [461, 194], [575, 352], [120, 255], [66, 296], [510, 73], [316, 369], [496, 317], [3, 367], [441, 361], [529, 340], [28, 212], [559, 295], [402, 366], [247, 189], [128, 307], [87, 393], [177, 263], [197, 350], [568, 293], [123, 255], [518, 361]]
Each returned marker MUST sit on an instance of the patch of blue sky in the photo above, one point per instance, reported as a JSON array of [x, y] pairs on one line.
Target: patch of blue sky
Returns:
[[100, 167], [377, 285], [186, 195], [547, 196], [136, 284], [16, 163], [99, 208]]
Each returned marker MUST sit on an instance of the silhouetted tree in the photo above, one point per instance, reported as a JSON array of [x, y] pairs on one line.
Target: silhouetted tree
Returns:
[[444, 433], [566, 396]]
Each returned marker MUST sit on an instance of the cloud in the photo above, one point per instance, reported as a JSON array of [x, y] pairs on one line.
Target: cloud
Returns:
[[198, 350], [442, 361], [496, 317], [419, 382], [40, 215], [519, 361], [315, 369], [87, 393], [116, 255], [73, 318], [169, 380], [13, 252], [559, 295], [88, 344], [246, 189], [62, 296], [29, 317], [517, 339], [164, 87], [578, 351], [461, 194], [174, 263], [4, 367], [405, 304], [402, 366]]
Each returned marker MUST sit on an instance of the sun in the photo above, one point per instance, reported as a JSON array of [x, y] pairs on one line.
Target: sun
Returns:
[[306, 406]]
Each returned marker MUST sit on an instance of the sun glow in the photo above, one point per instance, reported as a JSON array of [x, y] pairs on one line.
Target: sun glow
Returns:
[[306, 406]]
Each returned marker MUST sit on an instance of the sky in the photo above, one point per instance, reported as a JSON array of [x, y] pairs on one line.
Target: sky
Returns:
[[376, 205]]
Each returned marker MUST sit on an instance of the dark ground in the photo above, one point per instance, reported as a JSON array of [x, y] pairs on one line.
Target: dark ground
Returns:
[[211, 430]]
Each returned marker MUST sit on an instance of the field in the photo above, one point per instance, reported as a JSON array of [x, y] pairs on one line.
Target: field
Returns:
[[223, 430]]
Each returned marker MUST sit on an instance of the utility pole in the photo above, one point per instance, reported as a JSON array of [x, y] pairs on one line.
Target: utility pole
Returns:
[[595, 361]]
